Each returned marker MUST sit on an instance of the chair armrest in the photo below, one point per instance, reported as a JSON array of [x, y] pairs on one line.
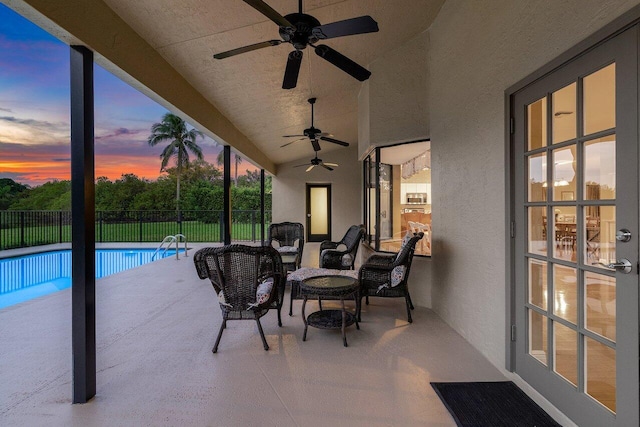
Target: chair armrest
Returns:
[[328, 245], [381, 258], [378, 266]]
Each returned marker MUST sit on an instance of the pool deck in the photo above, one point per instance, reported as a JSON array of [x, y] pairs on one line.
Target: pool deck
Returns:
[[156, 325]]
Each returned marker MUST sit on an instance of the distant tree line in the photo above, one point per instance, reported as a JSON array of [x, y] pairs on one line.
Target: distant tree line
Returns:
[[201, 189]]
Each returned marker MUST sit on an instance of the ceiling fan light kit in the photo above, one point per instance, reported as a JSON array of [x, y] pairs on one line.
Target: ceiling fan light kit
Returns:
[[302, 30]]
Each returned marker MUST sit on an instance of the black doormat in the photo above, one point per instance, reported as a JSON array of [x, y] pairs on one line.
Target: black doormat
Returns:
[[491, 404]]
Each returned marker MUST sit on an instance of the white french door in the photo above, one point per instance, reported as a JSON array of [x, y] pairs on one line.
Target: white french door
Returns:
[[576, 199]]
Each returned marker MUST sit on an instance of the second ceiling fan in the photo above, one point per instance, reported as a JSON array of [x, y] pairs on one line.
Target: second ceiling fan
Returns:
[[314, 134], [302, 30]]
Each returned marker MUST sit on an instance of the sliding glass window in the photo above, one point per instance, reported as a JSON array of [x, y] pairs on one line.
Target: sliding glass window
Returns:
[[397, 193]]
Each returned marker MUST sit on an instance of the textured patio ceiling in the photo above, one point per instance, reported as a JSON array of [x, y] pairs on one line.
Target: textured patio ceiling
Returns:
[[245, 90]]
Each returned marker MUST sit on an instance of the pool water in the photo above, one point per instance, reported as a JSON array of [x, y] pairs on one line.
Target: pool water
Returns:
[[31, 276]]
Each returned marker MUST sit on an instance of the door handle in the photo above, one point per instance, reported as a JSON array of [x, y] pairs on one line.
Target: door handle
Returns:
[[623, 265], [308, 215]]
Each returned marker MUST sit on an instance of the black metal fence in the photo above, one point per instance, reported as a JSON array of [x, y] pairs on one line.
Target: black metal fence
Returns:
[[31, 228]]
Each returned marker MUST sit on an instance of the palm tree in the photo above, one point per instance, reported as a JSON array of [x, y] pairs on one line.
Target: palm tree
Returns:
[[238, 160], [181, 140]]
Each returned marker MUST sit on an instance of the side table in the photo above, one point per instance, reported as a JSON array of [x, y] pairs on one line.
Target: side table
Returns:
[[294, 278], [334, 287]]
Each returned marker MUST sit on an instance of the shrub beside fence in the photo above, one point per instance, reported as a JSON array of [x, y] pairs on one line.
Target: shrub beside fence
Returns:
[[31, 228]]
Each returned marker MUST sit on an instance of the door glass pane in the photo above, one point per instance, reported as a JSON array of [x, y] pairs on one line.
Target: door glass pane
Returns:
[[538, 283], [600, 100], [600, 372], [564, 173], [371, 197], [564, 113], [319, 207], [600, 235], [538, 177], [537, 124], [386, 229], [565, 293], [538, 336], [565, 352], [564, 246], [538, 230], [600, 304], [600, 168]]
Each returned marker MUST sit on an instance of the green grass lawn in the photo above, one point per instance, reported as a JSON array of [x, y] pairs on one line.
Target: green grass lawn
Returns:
[[195, 231]]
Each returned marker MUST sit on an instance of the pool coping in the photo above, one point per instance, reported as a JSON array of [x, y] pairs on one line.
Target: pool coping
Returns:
[[10, 253]]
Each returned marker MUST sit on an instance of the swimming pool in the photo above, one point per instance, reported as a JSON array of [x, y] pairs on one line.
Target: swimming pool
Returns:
[[31, 276]]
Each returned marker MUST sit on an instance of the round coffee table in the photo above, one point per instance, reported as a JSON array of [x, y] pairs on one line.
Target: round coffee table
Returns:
[[329, 287]]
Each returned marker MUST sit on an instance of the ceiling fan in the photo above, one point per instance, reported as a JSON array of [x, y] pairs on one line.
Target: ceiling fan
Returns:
[[314, 134], [318, 162], [301, 30]]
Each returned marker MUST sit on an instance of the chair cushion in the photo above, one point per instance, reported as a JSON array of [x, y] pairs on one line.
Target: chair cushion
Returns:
[[405, 241], [397, 275], [347, 259], [264, 291], [287, 249]]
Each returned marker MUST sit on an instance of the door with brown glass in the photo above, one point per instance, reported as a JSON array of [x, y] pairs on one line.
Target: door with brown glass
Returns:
[[575, 147]]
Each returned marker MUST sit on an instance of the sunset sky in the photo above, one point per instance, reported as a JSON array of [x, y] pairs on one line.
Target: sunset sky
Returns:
[[34, 113]]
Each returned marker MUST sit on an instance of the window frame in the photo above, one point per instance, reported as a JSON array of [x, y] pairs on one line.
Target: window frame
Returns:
[[373, 240]]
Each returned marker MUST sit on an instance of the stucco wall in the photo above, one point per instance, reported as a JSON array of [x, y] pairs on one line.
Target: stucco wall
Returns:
[[477, 50], [289, 194], [393, 105]]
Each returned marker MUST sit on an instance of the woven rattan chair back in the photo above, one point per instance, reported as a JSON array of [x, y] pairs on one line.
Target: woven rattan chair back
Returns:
[[287, 234], [331, 257], [236, 272], [387, 276]]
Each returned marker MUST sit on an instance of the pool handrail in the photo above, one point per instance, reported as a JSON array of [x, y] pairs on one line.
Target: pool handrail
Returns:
[[184, 238], [172, 239], [168, 239]]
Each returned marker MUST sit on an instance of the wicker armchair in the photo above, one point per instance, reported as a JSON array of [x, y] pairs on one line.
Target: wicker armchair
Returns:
[[248, 280], [387, 275], [290, 240], [331, 256]]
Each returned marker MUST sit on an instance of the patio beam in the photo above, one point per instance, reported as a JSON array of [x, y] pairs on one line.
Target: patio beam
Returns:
[[83, 277]]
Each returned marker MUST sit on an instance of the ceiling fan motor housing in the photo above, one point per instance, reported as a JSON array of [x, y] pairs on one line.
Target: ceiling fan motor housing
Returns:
[[302, 35], [312, 132]]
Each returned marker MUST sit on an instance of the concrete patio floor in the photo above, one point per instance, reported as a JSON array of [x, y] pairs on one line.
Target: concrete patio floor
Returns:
[[156, 326]]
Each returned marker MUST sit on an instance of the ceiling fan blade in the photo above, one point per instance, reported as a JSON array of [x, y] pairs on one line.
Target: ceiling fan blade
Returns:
[[304, 164], [323, 134], [248, 48], [335, 165], [293, 136], [289, 143], [325, 166], [345, 64], [335, 141], [269, 12], [348, 27], [293, 69], [310, 167], [316, 145]]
